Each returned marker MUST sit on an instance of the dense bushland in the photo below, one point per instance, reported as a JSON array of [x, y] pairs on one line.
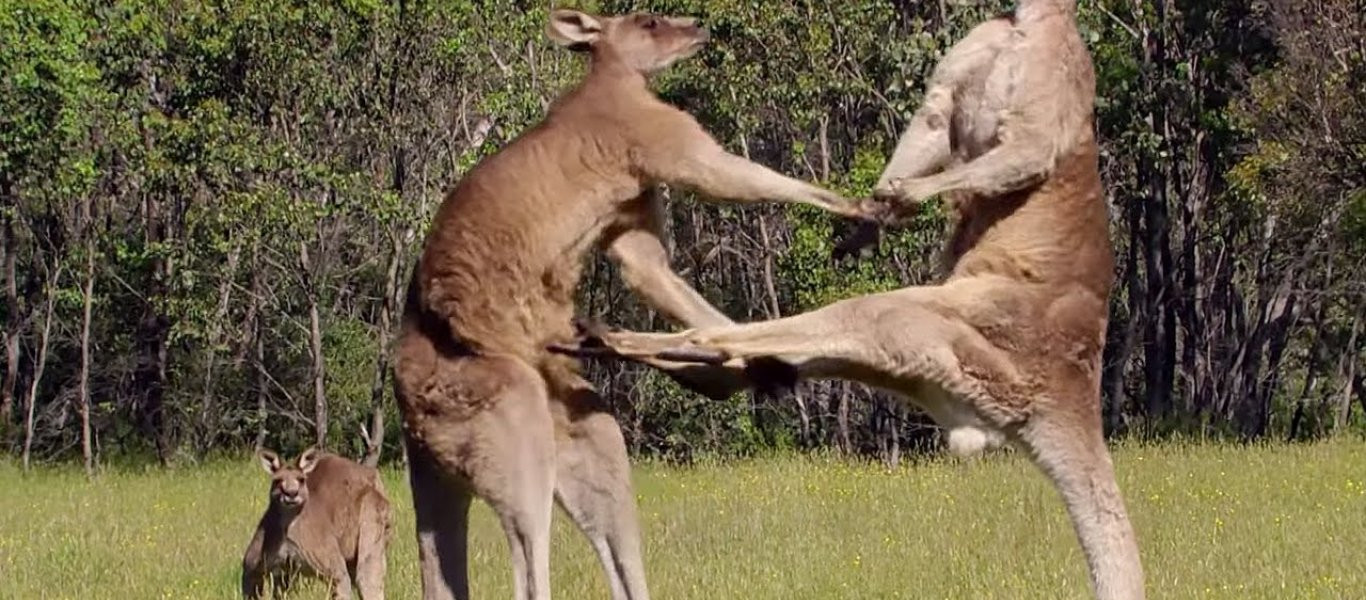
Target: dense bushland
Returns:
[[209, 209]]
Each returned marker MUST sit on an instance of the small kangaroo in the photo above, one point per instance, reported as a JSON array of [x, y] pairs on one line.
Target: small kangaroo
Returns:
[[328, 517], [487, 410], [1008, 347]]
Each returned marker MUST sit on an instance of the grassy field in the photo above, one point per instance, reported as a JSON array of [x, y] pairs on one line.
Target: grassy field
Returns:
[[1214, 522]]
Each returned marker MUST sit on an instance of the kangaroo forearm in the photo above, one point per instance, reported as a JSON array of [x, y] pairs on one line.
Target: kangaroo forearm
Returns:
[[645, 268]]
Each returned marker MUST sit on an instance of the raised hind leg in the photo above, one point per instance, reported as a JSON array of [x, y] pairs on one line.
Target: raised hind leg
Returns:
[[903, 339], [879, 338], [910, 335], [593, 483]]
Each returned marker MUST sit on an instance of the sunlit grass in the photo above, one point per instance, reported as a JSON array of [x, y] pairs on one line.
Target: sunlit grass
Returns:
[[1214, 522]]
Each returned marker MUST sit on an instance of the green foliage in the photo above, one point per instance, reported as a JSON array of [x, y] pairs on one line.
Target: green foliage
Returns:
[[683, 426], [349, 350], [48, 94], [816, 280], [217, 144]]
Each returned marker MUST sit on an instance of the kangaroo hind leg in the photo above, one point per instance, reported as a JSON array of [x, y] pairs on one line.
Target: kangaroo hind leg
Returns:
[[488, 434], [1068, 446], [370, 547], [593, 483]]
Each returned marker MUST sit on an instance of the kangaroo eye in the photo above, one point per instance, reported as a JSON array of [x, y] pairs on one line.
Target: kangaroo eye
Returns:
[[651, 23]]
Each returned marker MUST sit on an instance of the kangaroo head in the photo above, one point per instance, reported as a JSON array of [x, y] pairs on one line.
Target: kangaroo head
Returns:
[[644, 42], [288, 484]]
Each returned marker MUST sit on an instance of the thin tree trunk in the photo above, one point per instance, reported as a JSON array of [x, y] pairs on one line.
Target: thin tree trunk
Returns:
[[825, 147], [1311, 377], [1311, 374], [315, 333], [315, 345], [842, 418], [775, 312], [1276, 315], [149, 377], [38, 370], [1279, 338], [261, 385], [255, 344], [1159, 314], [1359, 384], [87, 298], [1121, 347], [1193, 281], [208, 431], [1348, 368], [374, 442], [895, 411], [13, 328]]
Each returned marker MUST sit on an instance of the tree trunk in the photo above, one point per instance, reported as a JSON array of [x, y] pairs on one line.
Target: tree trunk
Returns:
[[43, 338], [895, 411], [842, 418], [315, 339], [1348, 368], [1277, 314], [87, 298], [375, 435], [885, 427], [315, 346], [255, 345], [149, 377], [1120, 349], [1359, 384], [1311, 373], [208, 430], [1159, 316], [261, 385], [1311, 377], [775, 312], [13, 329]]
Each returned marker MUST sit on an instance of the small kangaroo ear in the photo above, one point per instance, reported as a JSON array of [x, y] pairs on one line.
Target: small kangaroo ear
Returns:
[[573, 29], [270, 461], [308, 460]]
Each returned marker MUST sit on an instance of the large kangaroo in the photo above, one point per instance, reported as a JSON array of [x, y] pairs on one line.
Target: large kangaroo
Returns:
[[1008, 347], [487, 411]]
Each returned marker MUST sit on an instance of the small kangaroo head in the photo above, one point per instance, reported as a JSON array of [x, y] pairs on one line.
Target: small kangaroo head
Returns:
[[288, 488], [644, 42]]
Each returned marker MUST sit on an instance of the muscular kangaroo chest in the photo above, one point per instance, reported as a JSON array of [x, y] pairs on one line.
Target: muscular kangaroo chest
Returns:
[[982, 102], [505, 286]]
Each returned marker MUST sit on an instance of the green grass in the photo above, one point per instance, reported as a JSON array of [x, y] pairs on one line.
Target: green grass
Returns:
[[1214, 522]]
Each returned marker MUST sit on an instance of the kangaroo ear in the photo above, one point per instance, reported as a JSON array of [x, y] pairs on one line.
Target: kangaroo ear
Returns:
[[308, 460], [270, 461], [573, 29]]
